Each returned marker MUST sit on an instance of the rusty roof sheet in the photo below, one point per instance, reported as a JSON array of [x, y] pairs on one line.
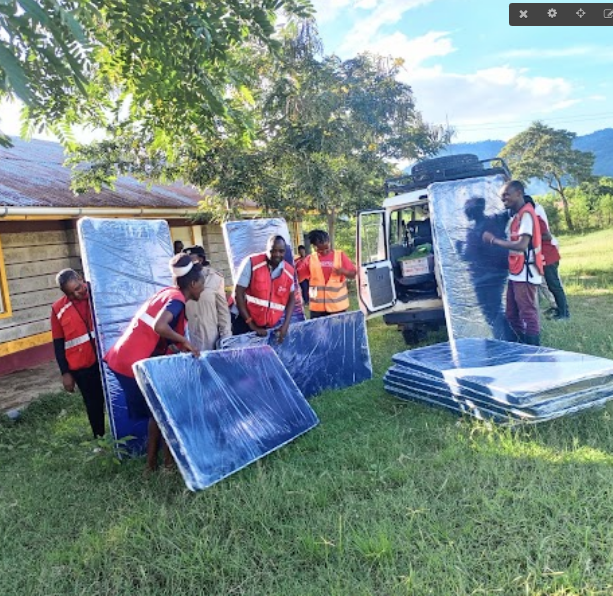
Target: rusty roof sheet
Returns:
[[32, 175]]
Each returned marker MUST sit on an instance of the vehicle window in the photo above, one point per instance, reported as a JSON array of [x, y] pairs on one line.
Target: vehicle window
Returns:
[[372, 237]]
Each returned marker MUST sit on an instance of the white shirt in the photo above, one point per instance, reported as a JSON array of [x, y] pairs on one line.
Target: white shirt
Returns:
[[525, 228], [540, 212]]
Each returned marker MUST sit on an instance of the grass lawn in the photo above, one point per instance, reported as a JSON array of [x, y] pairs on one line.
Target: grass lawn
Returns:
[[382, 498]]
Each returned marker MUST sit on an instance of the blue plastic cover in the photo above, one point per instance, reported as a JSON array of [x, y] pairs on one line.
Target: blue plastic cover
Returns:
[[224, 410], [474, 274], [243, 238], [125, 262], [319, 354], [499, 378]]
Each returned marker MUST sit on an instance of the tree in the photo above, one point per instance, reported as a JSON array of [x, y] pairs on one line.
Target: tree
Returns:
[[327, 133], [546, 154], [166, 69]]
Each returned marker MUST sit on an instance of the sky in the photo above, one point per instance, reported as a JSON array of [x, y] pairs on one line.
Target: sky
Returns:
[[468, 67]]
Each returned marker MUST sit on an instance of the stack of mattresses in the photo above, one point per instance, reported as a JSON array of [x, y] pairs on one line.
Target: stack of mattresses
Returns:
[[502, 381]]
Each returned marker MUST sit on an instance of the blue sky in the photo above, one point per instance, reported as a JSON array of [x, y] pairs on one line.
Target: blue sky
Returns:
[[468, 66]]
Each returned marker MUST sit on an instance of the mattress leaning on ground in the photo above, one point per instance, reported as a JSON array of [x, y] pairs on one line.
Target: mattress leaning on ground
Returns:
[[125, 262], [224, 410], [473, 273], [506, 382], [319, 354]]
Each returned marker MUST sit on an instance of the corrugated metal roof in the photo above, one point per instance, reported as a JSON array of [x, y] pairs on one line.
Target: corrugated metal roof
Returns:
[[32, 175]]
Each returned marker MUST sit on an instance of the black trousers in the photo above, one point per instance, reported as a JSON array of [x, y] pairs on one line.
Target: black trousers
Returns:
[[552, 279], [90, 384]]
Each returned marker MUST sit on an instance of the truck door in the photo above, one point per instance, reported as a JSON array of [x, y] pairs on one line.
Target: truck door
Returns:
[[376, 290]]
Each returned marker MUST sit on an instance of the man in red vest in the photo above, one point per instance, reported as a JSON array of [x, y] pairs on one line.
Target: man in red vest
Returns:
[[75, 346], [264, 291], [525, 263]]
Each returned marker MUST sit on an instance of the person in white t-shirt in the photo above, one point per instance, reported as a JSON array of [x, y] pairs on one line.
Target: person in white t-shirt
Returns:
[[525, 263]]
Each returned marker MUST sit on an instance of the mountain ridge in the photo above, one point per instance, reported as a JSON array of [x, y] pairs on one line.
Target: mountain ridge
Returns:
[[599, 142]]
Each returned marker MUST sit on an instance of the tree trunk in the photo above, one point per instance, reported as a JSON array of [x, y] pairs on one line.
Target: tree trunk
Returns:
[[331, 226], [567, 218]]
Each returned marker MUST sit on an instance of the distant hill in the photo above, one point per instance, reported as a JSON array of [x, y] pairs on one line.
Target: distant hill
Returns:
[[600, 143]]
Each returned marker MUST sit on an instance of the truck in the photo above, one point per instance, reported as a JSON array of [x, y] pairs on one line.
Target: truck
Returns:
[[398, 275]]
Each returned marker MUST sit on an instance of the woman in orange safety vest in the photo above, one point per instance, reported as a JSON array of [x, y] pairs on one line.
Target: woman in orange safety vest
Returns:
[[327, 271], [157, 328]]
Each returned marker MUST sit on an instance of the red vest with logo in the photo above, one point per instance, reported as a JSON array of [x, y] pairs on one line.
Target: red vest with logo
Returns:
[[267, 297], [551, 254], [139, 340], [517, 259], [79, 335]]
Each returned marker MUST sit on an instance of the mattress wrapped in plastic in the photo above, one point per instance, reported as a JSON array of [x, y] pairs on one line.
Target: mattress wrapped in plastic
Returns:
[[474, 273], [501, 379], [319, 354], [224, 410], [243, 238], [125, 262]]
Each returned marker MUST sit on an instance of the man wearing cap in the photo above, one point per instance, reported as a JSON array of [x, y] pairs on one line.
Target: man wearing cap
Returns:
[[74, 344], [208, 319], [264, 291]]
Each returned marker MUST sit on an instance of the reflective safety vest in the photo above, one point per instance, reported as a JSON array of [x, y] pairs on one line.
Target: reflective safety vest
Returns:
[[79, 335], [330, 297], [267, 298], [139, 340], [517, 259]]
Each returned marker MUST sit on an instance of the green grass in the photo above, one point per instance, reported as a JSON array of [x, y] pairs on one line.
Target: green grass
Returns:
[[382, 498]]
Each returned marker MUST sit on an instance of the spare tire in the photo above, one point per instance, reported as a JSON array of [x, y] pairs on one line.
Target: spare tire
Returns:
[[448, 163]]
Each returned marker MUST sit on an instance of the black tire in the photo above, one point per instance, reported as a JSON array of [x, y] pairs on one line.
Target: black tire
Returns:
[[455, 163], [414, 335]]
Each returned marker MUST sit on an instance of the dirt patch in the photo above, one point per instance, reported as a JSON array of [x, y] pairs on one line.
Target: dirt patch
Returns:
[[20, 388]]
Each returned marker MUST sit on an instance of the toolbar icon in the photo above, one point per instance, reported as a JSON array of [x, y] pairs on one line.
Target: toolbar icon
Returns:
[[608, 13], [581, 13], [523, 14], [552, 13]]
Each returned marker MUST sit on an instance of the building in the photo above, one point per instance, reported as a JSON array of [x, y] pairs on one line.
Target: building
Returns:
[[38, 215]]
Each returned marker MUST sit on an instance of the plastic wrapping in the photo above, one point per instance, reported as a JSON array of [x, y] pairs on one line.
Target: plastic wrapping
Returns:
[[125, 262], [474, 274], [500, 378], [224, 410], [319, 354], [243, 238]]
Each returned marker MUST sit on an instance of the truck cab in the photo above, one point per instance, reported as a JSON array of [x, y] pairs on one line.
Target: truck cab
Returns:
[[398, 274]]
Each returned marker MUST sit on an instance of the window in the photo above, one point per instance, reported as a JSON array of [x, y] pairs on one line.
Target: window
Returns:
[[5, 303]]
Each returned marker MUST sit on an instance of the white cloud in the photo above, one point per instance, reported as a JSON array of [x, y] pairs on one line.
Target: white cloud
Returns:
[[367, 28], [596, 53], [413, 51], [328, 10], [482, 104]]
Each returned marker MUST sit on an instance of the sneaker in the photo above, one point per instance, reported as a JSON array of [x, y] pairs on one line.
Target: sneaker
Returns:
[[561, 317]]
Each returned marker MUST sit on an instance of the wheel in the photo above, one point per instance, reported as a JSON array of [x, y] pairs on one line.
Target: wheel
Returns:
[[413, 335]]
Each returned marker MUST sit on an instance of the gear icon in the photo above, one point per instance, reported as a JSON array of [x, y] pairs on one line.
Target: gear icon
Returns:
[[552, 12]]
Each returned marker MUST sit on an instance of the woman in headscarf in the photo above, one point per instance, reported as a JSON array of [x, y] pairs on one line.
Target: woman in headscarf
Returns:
[[157, 328]]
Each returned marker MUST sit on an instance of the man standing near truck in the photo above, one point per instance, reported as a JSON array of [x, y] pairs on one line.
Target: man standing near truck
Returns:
[[525, 263]]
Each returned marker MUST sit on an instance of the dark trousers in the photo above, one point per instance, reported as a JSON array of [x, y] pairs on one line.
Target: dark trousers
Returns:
[[304, 289], [554, 283], [522, 308], [90, 384]]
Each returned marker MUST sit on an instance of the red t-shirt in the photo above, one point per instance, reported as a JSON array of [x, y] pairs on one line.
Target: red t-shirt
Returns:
[[83, 309], [327, 263]]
